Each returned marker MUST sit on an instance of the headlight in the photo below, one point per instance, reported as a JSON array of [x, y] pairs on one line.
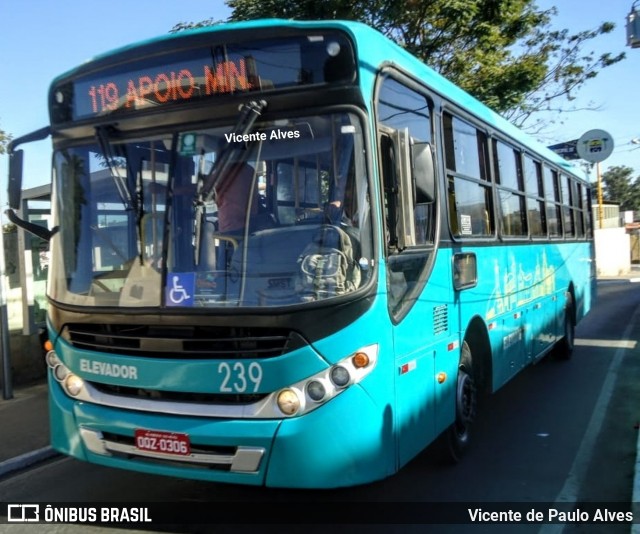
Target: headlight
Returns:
[[314, 391], [73, 384], [340, 376], [60, 372], [288, 401], [52, 359]]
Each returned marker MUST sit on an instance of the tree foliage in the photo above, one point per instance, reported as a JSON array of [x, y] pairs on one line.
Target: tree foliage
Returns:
[[192, 25], [4, 139], [619, 186], [504, 52]]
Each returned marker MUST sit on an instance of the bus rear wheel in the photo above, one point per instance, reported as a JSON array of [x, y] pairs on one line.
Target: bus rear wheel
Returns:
[[459, 433]]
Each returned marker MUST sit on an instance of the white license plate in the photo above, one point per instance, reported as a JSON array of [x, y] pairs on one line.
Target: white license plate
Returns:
[[163, 442]]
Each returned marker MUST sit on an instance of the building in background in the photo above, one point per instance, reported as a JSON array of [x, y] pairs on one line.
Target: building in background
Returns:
[[26, 268]]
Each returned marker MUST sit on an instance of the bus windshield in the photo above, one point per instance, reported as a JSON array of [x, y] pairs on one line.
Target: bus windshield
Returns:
[[288, 221]]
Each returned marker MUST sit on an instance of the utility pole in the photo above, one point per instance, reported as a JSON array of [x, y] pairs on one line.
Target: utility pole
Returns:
[[600, 196]]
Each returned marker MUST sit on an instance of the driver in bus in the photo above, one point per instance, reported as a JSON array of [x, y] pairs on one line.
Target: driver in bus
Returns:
[[237, 196]]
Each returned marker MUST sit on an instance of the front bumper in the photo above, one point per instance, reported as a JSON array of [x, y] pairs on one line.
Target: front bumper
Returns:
[[345, 442]]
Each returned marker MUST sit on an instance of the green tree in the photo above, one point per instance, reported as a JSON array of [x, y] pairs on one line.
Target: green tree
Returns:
[[504, 52], [4, 139], [619, 186], [192, 25]]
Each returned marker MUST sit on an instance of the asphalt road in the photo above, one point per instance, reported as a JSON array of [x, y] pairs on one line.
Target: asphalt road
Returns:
[[561, 431]]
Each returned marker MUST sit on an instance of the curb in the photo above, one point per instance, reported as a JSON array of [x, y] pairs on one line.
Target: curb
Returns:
[[635, 496], [26, 460]]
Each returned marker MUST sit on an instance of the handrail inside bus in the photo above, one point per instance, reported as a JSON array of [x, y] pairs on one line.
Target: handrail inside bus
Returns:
[[249, 112]]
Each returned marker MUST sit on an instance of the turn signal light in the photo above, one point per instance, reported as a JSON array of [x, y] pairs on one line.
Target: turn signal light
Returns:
[[360, 360]]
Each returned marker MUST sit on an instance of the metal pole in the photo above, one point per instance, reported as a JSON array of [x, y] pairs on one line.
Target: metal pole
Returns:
[[5, 352], [600, 200]]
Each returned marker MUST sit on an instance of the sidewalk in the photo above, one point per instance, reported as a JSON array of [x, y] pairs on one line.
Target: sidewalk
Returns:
[[632, 276], [24, 428]]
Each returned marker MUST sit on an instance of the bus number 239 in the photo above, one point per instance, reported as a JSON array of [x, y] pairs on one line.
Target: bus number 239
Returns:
[[239, 377]]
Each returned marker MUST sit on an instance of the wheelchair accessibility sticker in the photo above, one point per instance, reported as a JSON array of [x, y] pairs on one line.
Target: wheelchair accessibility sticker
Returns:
[[180, 289]]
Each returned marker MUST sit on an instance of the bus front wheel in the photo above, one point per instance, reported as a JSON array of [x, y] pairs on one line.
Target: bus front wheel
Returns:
[[459, 433], [564, 346]]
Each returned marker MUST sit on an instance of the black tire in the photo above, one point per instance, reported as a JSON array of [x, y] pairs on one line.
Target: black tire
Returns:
[[564, 346], [459, 433]]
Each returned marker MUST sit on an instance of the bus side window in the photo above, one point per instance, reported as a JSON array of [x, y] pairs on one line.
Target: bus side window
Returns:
[[468, 179], [405, 131]]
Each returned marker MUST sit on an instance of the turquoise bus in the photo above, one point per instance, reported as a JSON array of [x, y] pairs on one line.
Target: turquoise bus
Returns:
[[290, 254]]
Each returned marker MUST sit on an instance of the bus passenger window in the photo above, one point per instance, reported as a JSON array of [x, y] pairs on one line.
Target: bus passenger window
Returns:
[[469, 187]]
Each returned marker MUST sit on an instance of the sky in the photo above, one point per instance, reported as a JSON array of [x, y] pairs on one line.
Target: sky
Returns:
[[41, 39]]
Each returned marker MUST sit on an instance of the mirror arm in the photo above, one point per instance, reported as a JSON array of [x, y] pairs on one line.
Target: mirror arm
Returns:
[[37, 135], [35, 229]]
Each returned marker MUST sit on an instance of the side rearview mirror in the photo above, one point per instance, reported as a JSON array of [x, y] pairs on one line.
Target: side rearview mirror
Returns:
[[15, 178], [14, 188], [422, 162], [465, 270], [16, 157]]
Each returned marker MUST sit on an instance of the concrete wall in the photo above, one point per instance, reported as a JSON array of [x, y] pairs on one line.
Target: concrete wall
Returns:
[[613, 252], [27, 358]]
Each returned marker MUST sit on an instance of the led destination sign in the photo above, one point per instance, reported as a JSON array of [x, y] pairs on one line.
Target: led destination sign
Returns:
[[179, 77], [150, 88]]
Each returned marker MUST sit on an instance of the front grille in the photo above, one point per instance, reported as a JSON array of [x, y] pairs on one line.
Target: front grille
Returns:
[[179, 396], [189, 342]]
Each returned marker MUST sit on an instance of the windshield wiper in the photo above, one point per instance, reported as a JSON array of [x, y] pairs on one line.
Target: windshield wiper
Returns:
[[208, 185], [128, 201], [102, 134]]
